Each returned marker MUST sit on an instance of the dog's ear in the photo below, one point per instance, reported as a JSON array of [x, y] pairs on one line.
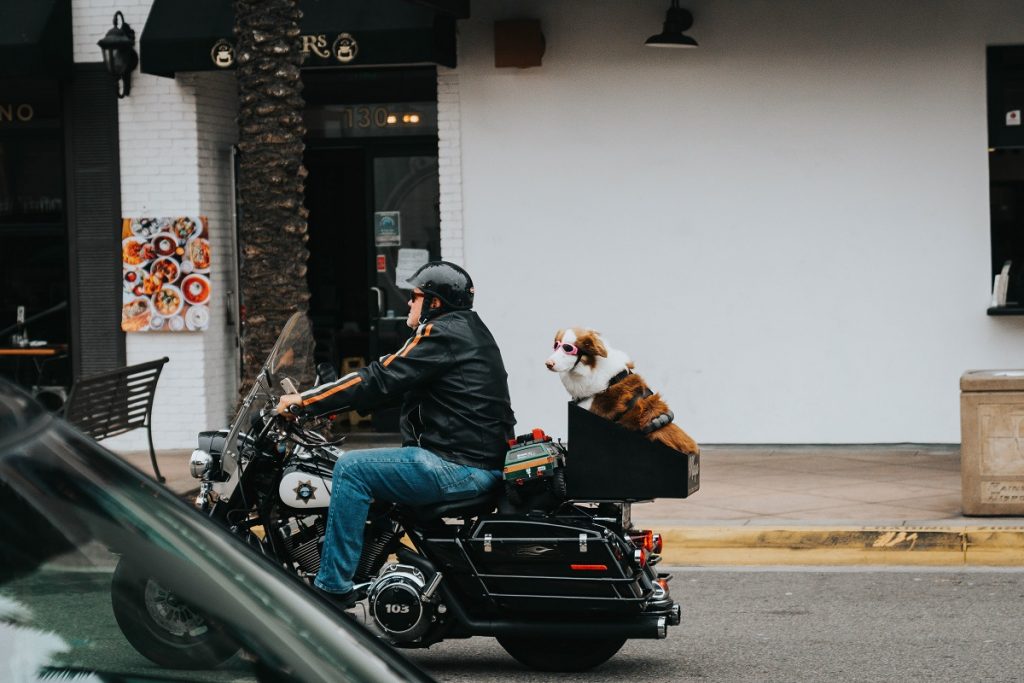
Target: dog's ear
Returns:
[[590, 343], [558, 335]]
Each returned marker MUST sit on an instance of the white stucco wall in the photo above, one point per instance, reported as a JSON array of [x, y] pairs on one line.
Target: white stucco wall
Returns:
[[787, 228]]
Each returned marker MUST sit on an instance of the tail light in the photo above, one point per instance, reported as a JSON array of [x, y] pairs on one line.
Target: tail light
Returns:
[[646, 539], [656, 543]]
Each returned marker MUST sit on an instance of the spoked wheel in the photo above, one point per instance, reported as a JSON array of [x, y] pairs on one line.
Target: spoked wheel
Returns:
[[561, 654], [161, 627]]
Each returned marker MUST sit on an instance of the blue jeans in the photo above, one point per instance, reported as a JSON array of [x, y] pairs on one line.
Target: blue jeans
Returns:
[[407, 475]]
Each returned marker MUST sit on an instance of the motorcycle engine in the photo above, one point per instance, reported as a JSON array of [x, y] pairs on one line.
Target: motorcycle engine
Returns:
[[301, 540], [399, 600]]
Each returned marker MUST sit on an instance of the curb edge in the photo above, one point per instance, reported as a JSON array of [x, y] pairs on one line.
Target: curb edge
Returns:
[[809, 545]]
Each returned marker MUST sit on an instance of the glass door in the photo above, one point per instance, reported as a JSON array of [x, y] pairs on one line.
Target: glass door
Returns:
[[406, 233]]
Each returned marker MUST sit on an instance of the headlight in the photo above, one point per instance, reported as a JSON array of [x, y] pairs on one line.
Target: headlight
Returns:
[[199, 464]]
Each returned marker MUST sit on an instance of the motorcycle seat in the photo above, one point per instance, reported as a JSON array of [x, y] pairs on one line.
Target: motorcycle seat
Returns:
[[467, 507]]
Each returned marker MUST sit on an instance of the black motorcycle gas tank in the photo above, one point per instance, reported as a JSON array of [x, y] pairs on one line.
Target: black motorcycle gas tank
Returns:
[[552, 564]]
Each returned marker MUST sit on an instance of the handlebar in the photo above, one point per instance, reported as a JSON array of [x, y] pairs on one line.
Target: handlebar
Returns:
[[301, 414]]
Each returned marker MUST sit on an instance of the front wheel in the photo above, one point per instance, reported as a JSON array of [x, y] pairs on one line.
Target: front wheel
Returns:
[[561, 654], [163, 628]]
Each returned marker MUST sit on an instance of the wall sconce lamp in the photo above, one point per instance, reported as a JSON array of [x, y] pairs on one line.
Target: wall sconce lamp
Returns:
[[119, 53], [518, 43], [676, 21]]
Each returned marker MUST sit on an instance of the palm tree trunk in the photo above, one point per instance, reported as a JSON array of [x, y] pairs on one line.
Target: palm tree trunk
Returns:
[[272, 218]]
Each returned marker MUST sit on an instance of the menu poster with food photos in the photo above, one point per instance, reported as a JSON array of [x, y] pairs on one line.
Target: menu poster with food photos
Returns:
[[165, 274]]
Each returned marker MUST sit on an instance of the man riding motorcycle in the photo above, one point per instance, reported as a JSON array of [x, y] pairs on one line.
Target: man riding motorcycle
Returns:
[[456, 419]]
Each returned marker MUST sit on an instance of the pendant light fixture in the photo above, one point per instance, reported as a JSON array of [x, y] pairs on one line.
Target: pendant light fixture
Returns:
[[677, 20]]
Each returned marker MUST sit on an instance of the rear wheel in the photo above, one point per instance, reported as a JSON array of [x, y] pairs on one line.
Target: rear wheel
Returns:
[[561, 654], [161, 627]]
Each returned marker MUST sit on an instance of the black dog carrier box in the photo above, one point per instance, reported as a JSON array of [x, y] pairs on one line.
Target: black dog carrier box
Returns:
[[606, 461]]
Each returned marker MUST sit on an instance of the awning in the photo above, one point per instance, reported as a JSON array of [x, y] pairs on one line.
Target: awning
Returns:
[[198, 35], [35, 38]]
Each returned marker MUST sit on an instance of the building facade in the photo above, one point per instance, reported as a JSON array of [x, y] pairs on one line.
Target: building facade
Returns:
[[792, 229]]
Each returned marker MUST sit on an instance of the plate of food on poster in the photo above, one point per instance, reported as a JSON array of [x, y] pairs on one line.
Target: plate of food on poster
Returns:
[[165, 274]]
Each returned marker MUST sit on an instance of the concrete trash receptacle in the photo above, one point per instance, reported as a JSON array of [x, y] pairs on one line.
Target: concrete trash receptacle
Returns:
[[992, 442]]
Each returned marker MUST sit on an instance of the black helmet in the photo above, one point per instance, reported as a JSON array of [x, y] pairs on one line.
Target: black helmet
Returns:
[[447, 281]]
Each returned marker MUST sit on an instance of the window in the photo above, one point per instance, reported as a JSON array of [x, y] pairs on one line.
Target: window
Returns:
[[33, 227], [1006, 177]]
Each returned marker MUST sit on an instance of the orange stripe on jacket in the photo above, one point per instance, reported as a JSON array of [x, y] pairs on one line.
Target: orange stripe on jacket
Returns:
[[387, 361], [405, 352], [341, 387]]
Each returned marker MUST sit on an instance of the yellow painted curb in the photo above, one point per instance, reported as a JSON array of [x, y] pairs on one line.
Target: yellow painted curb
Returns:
[[995, 546], [702, 545]]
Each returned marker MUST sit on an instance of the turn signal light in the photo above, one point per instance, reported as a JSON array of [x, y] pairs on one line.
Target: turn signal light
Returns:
[[640, 557]]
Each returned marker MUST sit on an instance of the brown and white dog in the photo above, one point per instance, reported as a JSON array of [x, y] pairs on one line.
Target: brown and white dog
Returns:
[[601, 380]]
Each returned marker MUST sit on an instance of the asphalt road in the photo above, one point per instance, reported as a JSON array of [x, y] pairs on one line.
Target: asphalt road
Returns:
[[763, 625], [867, 624]]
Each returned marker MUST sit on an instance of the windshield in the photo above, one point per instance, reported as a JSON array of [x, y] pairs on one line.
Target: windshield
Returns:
[[291, 359], [292, 355]]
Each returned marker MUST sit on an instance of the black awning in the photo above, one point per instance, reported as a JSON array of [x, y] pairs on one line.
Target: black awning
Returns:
[[35, 38], [198, 35]]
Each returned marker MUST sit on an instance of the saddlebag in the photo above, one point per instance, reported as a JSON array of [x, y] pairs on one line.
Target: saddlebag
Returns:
[[555, 564]]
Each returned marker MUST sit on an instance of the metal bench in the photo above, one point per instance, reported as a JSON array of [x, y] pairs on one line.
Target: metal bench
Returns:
[[115, 402]]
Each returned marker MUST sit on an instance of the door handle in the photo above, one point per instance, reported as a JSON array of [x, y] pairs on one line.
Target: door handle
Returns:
[[380, 300]]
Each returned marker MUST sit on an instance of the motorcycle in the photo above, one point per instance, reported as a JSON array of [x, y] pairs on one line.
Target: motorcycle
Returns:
[[557, 573]]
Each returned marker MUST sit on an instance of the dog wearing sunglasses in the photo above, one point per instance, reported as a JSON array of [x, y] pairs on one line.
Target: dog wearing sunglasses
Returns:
[[601, 379]]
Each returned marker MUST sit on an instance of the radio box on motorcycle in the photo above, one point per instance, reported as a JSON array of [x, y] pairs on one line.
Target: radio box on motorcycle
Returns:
[[532, 456], [606, 461], [534, 473]]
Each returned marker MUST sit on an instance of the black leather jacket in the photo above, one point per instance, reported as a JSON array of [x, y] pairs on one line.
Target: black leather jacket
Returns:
[[454, 389]]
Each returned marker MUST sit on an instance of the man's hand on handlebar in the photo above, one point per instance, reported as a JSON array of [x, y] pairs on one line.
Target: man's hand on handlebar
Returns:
[[286, 402]]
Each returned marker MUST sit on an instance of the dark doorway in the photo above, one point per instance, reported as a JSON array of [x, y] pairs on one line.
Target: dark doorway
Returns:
[[373, 215], [373, 199], [338, 247]]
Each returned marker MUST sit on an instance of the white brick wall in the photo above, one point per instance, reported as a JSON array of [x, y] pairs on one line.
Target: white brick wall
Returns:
[[176, 137], [176, 140], [449, 152]]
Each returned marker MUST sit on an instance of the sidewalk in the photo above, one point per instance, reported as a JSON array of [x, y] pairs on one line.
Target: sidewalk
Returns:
[[814, 505], [830, 505]]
